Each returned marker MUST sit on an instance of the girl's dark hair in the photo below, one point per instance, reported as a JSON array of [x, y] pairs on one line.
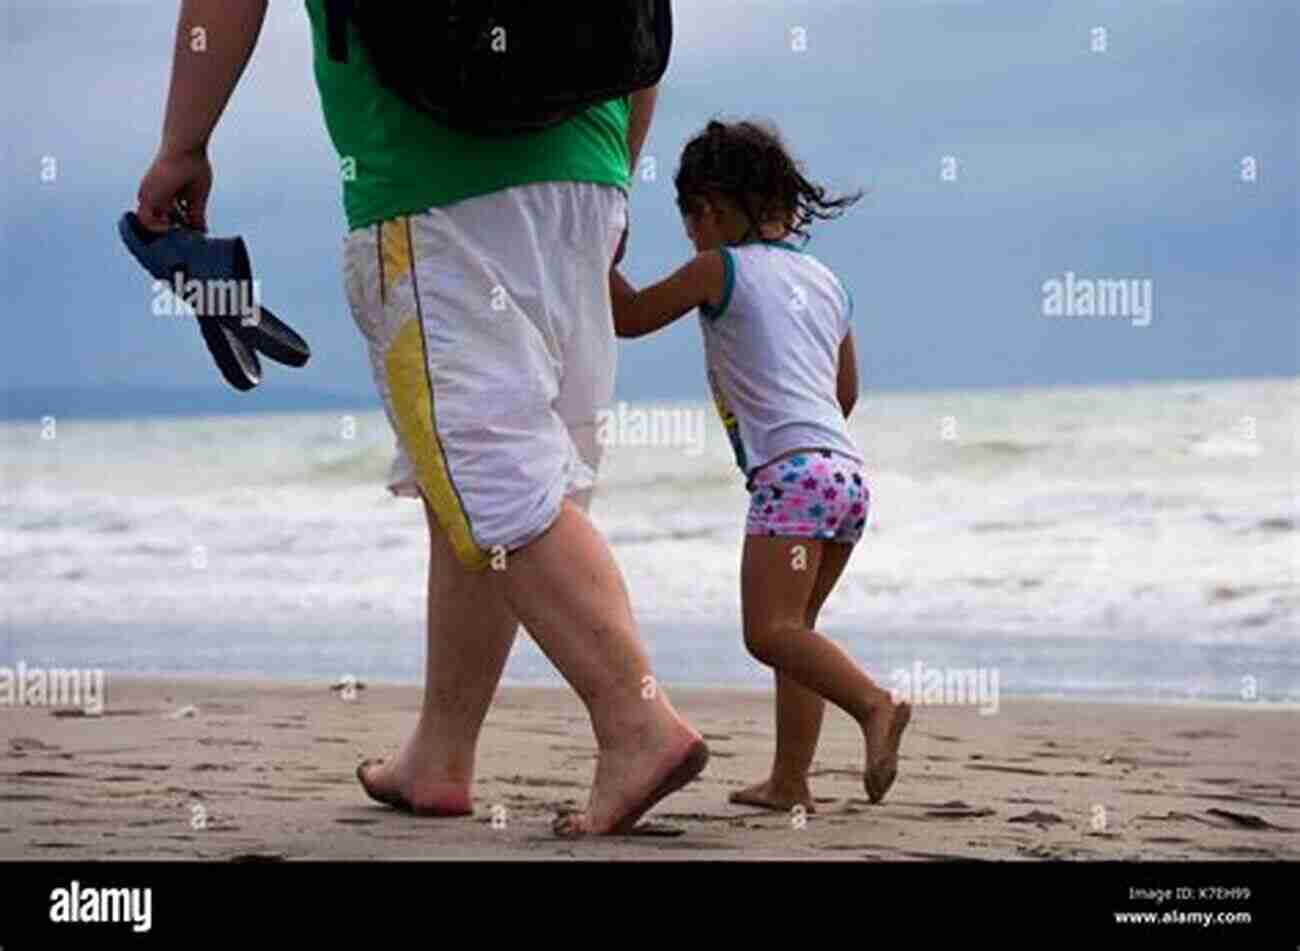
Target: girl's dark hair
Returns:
[[747, 163]]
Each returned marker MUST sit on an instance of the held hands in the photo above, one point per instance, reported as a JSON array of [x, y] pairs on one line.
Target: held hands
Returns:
[[185, 177], [622, 244]]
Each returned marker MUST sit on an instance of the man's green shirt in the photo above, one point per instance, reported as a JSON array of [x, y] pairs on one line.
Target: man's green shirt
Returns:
[[396, 161]]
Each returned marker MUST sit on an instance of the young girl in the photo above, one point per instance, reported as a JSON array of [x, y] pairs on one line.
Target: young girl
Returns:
[[782, 368]]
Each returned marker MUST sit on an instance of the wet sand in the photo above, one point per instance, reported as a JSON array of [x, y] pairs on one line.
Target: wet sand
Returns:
[[265, 770]]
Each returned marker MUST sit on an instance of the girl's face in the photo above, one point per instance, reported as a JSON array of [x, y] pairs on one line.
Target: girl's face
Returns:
[[702, 229], [710, 225]]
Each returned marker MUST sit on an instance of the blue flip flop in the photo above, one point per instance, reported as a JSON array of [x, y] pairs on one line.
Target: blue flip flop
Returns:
[[215, 278]]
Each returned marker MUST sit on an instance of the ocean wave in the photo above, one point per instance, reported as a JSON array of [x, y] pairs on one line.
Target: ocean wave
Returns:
[[1029, 525], [1222, 447], [637, 480], [369, 464], [1004, 447], [634, 537]]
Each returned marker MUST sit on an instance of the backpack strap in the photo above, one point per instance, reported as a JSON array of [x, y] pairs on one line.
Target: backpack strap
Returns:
[[337, 15]]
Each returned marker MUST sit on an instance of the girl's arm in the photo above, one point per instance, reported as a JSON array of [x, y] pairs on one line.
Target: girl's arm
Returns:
[[846, 386], [697, 282]]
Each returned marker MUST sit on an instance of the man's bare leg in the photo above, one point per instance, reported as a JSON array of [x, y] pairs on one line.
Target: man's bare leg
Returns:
[[470, 633], [566, 589]]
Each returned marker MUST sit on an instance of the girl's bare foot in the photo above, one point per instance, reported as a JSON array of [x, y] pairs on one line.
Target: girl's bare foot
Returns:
[[778, 796], [884, 734]]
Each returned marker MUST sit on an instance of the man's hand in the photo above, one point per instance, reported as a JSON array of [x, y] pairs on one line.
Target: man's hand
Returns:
[[202, 81], [187, 177]]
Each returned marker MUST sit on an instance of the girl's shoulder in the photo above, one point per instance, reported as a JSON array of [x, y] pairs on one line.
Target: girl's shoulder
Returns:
[[777, 264]]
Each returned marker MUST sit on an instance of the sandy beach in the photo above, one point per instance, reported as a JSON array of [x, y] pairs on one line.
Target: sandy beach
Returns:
[[265, 771]]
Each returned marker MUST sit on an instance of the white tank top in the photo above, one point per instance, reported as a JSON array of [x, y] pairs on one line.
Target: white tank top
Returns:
[[772, 348]]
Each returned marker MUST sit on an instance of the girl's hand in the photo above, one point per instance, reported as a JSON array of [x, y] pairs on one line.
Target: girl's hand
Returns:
[[185, 176]]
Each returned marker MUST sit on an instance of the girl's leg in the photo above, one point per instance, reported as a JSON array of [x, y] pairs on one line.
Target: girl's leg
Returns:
[[775, 593], [798, 710]]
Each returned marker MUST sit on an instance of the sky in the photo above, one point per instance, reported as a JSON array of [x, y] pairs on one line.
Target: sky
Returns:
[[1000, 149]]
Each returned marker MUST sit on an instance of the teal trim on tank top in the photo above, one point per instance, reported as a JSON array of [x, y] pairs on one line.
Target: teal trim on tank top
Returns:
[[782, 244], [771, 242], [728, 283]]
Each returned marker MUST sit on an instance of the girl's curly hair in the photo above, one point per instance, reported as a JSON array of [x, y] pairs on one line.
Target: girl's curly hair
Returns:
[[747, 163]]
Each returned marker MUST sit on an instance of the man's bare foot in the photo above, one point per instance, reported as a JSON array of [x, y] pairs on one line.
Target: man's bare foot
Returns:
[[769, 794], [630, 782], [383, 782], [884, 735]]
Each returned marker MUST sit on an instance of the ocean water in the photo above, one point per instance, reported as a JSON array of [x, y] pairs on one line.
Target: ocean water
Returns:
[[1120, 541]]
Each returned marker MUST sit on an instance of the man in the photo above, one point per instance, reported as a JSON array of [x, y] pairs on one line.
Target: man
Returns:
[[477, 270]]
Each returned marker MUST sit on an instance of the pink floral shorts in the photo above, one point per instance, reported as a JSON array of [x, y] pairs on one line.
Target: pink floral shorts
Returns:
[[819, 494]]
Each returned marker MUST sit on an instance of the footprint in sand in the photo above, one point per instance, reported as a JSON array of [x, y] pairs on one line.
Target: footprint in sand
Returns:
[[1243, 851], [967, 813], [539, 782], [1038, 817], [155, 767], [1020, 770], [57, 821]]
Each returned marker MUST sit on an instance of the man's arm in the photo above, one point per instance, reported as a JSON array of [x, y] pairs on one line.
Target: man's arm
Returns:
[[642, 104], [637, 313], [214, 41], [641, 111]]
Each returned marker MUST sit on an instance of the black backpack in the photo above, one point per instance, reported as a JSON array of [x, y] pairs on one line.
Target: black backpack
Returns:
[[507, 66]]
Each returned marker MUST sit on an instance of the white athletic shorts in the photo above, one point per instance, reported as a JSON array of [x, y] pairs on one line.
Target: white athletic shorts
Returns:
[[491, 337]]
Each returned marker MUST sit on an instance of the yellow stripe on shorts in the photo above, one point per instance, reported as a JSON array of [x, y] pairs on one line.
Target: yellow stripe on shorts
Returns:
[[394, 254], [407, 371]]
